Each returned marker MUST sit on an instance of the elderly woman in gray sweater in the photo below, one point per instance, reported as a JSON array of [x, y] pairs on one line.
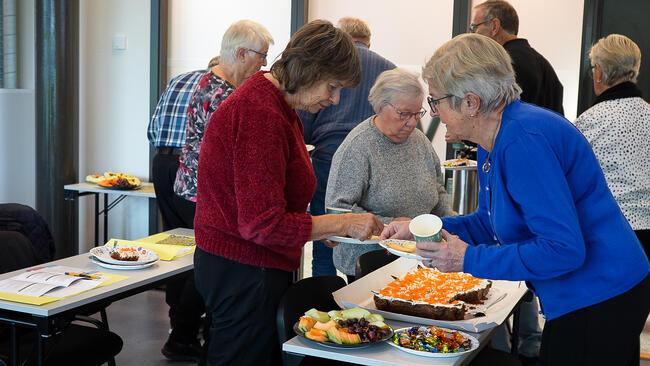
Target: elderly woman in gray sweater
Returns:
[[385, 165]]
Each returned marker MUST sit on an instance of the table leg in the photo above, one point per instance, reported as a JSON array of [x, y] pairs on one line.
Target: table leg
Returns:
[[105, 217], [13, 359], [96, 219]]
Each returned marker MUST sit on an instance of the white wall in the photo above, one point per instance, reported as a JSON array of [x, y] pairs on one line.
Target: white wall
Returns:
[[196, 28], [17, 146], [554, 29], [402, 32], [114, 107]]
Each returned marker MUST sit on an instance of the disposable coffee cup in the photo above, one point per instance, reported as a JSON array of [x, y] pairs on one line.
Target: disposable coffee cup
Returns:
[[336, 210], [426, 227]]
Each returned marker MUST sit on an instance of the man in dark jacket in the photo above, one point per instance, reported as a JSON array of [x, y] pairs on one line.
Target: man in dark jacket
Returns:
[[540, 85]]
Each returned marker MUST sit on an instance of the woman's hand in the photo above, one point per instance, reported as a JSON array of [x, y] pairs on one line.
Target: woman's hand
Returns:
[[397, 229], [361, 226], [447, 256], [329, 243]]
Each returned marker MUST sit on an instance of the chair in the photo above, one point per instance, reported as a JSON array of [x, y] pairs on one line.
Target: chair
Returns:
[[371, 261], [311, 292], [76, 344]]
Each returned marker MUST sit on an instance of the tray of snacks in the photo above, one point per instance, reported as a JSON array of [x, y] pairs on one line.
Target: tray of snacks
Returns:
[[350, 328], [432, 341]]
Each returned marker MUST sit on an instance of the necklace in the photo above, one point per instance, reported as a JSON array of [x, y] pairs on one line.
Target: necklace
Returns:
[[487, 165]]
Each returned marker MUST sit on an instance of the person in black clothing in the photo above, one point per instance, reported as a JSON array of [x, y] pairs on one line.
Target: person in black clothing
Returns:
[[539, 84]]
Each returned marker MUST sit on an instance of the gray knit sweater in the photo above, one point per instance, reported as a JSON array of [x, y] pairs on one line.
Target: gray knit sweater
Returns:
[[371, 173]]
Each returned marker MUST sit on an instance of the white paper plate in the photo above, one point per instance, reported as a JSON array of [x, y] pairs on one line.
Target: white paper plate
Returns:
[[121, 267], [345, 239], [436, 355], [103, 254], [400, 253]]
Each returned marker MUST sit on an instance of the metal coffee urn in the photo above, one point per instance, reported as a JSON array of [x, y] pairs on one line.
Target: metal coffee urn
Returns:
[[464, 189]]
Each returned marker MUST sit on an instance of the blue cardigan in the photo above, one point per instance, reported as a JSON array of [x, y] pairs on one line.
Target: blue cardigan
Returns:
[[546, 216]]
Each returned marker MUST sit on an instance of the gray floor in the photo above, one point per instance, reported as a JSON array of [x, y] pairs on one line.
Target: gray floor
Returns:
[[142, 322]]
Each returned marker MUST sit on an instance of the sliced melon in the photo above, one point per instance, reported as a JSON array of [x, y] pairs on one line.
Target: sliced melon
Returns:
[[353, 313], [306, 323], [379, 324], [335, 314], [317, 335], [320, 316], [325, 326], [341, 336], [374, 318]]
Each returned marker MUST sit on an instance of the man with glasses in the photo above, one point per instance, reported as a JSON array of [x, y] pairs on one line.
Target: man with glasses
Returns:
[[327, 128], [540, 85]]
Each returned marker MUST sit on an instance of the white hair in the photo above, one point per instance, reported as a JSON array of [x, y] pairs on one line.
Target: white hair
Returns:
[[619, 58], [473, 63], [392, 83], [244, 33]]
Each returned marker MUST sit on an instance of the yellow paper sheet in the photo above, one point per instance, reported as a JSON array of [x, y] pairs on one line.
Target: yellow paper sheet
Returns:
[[166, 252], [46, 299]]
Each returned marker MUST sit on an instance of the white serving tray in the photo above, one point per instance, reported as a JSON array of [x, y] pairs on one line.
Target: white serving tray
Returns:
[[359, 294]]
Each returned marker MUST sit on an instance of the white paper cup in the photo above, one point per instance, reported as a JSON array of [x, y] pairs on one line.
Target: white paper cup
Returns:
[[426, 227]]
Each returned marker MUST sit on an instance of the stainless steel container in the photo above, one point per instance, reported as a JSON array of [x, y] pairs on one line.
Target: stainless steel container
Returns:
[[464, 192]]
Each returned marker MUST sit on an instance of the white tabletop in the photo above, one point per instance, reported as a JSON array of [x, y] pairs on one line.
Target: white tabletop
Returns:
[[137, 278], [382, 354], [145, 190]]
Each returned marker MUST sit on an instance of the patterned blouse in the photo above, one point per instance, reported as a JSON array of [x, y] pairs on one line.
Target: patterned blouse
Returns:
[[617, 129], [211, 92]]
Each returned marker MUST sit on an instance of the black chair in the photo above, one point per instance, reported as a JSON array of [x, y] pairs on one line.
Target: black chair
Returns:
[[75, 344], [371, 261], [312, 292]]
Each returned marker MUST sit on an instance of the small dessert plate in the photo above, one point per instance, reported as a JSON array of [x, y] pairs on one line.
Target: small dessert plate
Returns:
[[103, 254]]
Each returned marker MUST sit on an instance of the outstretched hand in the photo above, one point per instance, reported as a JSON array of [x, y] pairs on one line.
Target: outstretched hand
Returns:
[[447, 256], [362, 226], [397, 229]]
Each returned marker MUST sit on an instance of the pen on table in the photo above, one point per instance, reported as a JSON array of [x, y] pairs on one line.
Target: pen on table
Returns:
[[83, 275]]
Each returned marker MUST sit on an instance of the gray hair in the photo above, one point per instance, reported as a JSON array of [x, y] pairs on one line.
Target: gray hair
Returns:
[[473, 63], [244, 33], [355, 27], [503, 11], [619, 58], [392, 83]]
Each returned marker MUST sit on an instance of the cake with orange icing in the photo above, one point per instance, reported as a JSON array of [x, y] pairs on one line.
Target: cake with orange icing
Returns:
[[429, 293]]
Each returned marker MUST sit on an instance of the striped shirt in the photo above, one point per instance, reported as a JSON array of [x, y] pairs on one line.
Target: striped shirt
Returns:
[[167, 125]]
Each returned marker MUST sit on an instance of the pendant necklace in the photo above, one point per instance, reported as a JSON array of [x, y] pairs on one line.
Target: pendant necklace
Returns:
[[487, 165]]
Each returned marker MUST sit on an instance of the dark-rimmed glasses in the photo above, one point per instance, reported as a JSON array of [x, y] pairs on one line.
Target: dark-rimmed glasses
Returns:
[[405, 116], [433, 103], [473, 27], [257, 52]]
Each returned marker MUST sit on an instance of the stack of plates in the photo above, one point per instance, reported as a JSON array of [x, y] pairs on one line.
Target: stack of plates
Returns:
[[102, 257]]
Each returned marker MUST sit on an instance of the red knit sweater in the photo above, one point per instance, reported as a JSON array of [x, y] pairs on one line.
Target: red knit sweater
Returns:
[[255, 180]]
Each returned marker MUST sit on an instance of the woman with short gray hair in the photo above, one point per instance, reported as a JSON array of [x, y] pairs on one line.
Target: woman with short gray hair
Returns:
[[385, 165], [619, 119], [545, 213]]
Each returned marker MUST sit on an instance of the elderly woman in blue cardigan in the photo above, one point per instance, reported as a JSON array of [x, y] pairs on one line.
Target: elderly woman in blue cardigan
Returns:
[[545, 213]]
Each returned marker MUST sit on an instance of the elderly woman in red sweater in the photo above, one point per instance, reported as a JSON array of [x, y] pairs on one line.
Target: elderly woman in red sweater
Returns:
[[255, 181]]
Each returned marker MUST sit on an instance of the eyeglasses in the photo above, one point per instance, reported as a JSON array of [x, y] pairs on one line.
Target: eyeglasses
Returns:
[[405, 116], [257, 52], [473, 27], [433, 103]]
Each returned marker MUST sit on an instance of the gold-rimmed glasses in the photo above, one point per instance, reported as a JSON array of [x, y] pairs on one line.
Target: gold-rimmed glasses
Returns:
[[405, 116]]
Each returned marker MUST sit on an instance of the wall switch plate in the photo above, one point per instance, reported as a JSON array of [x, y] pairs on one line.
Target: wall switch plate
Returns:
[[119, 42]]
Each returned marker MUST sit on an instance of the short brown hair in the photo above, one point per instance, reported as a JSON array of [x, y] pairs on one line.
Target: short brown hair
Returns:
[[503, 11], [355, 27], [317, 51]]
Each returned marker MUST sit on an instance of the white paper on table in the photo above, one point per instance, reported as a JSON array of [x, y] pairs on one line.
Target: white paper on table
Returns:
[[51, 281], [359, 294]]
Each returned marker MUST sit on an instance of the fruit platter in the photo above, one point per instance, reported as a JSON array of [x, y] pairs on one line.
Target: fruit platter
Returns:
[[349, 328], [111, 180], [432, 341]]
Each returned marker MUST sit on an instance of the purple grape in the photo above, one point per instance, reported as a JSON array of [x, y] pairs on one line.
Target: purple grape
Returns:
[[342, 323]]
